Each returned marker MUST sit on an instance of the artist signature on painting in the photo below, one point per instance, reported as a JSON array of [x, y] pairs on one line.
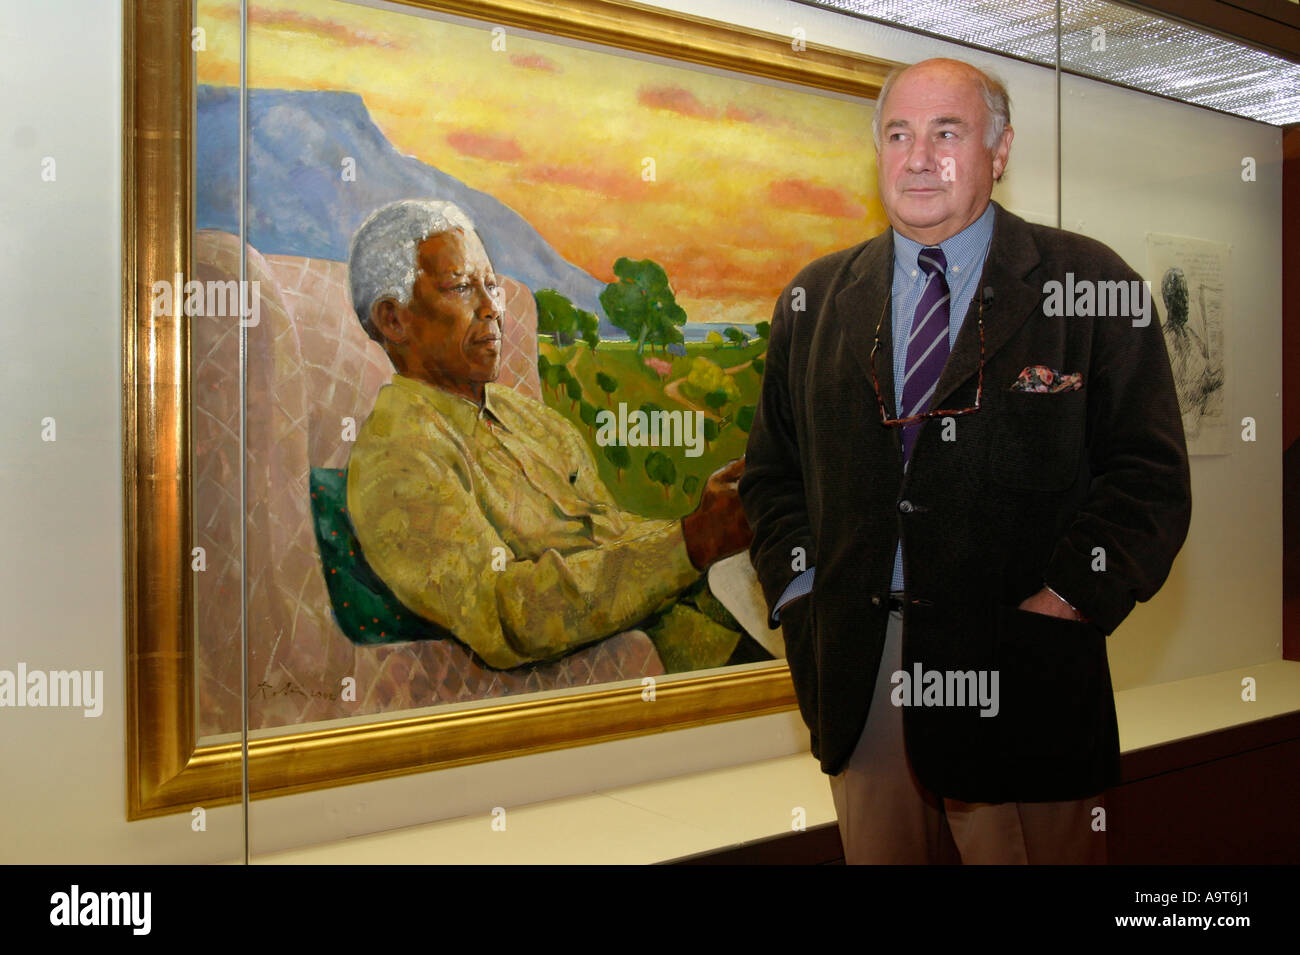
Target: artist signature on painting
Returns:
[[270, 691]]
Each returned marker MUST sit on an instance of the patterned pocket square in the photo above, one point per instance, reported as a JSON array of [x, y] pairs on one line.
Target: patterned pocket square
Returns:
[[1039, 379]]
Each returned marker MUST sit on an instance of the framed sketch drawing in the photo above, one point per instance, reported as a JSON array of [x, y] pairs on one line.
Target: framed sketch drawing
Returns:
[[1190, 278], [638, 187]]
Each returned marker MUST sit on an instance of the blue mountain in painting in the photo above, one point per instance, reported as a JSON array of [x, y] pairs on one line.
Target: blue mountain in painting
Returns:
[[299, 204]]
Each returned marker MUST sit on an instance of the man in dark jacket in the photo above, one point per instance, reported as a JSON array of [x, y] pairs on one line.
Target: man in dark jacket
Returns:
[[966, 466]]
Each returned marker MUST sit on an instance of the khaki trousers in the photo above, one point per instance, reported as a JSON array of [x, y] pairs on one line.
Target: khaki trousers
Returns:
[[887, 817]]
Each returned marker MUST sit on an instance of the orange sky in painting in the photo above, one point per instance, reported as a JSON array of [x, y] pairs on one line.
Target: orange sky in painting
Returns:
[[751, 181]]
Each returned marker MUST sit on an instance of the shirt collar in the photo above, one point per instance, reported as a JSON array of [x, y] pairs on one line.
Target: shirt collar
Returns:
[[962, 250], [462, 412]]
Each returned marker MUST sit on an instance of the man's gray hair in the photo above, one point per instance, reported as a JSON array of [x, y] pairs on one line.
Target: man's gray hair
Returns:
[[382, 258], [991, 88]]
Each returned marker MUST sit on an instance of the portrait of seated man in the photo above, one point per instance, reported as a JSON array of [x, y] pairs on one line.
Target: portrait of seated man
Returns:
[[482, 509]]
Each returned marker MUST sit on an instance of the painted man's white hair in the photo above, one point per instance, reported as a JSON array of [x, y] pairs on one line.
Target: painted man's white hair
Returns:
[[382, 256]]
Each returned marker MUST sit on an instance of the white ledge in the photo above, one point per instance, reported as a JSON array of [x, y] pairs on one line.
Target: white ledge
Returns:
[[702, 812]]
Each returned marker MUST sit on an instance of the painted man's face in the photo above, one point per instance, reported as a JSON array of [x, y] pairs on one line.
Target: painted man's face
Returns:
[[935, 173], [451, 331]]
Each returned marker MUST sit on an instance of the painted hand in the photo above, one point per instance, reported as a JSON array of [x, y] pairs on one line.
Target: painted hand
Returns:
[[718, 526]]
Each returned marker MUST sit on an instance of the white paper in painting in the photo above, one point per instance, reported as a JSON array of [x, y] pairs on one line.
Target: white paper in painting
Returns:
[[1189, 282], [735, 584]]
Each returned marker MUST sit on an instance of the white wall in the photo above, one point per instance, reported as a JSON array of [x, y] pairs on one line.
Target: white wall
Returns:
[[1133, 166], [62, 789]]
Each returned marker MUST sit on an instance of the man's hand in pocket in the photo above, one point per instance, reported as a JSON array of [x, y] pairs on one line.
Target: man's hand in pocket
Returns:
[[1046, 602]]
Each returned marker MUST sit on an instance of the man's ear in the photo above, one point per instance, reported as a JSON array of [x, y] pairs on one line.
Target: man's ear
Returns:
[[386, 315], [1002, 153]]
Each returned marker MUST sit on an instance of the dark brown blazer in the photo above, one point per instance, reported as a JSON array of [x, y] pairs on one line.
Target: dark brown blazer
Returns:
[[1087, 491]]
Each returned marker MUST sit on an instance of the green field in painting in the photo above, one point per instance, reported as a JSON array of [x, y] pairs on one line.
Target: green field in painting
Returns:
[[638, 383]]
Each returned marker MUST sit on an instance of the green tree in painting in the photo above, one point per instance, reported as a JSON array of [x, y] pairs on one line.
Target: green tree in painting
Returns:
[[734, 335], [763, 329], [642, 303], [745, 418], [618, 455], [587, 413], [564, 321], [589, 326], [554, 375], [556, 317], [706, 376], [659, 467], [607, 384], [573, 388], [690, 484]]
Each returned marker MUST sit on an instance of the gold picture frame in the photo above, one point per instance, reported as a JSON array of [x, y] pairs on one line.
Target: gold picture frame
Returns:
[[167, 769]]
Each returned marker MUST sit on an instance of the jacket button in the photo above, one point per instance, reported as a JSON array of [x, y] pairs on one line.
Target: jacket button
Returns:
[[906, 507]]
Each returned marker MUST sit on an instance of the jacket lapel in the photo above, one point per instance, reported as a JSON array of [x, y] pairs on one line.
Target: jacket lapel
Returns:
[[860, 307]]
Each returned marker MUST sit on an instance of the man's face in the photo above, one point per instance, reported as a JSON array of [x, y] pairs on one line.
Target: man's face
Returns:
[[450, 334], [935, 173]]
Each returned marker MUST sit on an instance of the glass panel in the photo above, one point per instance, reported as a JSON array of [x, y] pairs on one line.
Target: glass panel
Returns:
[[341, 122], [216, 408], [1189, 198]]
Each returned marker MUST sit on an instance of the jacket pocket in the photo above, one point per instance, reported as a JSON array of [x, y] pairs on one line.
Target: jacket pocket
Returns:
[[799, 628], [1051, 672], [1037, 440]]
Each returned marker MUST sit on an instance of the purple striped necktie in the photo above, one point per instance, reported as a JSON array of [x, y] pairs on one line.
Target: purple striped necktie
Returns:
[[927, 345]]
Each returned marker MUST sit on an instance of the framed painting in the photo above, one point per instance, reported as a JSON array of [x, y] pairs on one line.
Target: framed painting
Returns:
[[339, 561]]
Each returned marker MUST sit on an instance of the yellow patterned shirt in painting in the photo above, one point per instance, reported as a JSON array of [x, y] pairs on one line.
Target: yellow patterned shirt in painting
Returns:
[[494, 524]]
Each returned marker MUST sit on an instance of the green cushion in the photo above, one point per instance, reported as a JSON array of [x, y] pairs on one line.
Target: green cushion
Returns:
[[366, 610]]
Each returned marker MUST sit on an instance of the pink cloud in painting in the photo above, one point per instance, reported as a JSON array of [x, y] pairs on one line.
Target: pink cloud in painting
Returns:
[[675, 99], [484, 145], [533, 61], [285, 21], [602, 181], [801, 195], [747, 114]]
